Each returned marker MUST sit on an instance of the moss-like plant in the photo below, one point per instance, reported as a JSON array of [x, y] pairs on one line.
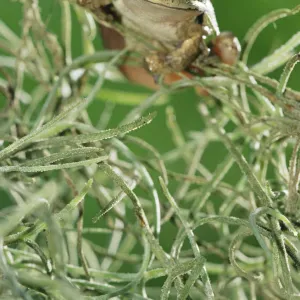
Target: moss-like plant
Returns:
[[55, 164]]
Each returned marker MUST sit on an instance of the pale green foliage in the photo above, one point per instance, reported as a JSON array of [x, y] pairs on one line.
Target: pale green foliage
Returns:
[[44, 252]]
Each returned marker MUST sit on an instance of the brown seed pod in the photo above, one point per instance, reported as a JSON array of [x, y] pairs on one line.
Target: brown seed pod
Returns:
[[227, 47]]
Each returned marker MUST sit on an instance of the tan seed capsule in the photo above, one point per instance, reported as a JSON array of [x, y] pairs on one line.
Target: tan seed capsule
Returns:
[[227, 47]]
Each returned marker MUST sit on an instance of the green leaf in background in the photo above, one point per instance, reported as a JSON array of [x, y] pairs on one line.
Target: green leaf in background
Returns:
[[126, 94]]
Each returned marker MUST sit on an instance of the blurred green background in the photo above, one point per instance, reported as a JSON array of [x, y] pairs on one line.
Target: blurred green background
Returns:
[[233, 15]]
